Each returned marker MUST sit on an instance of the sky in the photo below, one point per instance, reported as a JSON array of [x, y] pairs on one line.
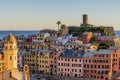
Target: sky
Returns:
[[41, 14]]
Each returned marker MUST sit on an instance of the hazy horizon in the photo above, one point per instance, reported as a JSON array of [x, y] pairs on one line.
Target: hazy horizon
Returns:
[[41, 14]]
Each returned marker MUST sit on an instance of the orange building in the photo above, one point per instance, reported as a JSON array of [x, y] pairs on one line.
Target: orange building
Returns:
[[85, 37]]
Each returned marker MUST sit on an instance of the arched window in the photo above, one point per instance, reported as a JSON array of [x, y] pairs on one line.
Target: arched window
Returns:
[[10, 47], [10, 57], [25, 68]]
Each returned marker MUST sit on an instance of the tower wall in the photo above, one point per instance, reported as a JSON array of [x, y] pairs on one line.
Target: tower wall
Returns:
[[85, 19]]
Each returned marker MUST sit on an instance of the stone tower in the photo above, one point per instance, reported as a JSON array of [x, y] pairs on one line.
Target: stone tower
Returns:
[[85, 19], [10, 52]]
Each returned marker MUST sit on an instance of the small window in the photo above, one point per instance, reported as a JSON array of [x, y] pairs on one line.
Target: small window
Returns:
[[10, 57], [10, 47], [25, 68]]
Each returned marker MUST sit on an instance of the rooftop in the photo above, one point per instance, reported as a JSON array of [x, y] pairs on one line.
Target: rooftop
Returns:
[[72, 54]]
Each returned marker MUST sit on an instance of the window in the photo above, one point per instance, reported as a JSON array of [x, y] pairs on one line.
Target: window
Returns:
[[79, 65], [72, 59], [101, 77], [98, 66], [95, 66], [10, 57], [65, 69], [68, 64], [91, 66], [79, 70], [90, 61], [99, 55], [25, 68], [72, 70], [75, 60], [106, 55], [87, 66], [10, 47], [65, 59], [102, 55], [75, 70], [68, 59], [103, 66], [59, 64], [80, 60], [91, 71], [61, 69]]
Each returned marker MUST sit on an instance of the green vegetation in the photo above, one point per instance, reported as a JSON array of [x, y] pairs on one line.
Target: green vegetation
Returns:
[[94, 38], [79, 30], [58, 23], [103, 45], [63, 26]]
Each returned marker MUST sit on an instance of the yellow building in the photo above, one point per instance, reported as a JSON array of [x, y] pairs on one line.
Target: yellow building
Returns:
[[38, 61], [1, 65], [9, 70], [30, 58], [43, 62]]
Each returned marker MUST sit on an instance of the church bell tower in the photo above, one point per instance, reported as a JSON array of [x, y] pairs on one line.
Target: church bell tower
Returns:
[[10, 52]]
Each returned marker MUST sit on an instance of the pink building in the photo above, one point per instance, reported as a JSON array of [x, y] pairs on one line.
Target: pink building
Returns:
[[112, 40], [102, 64], [54, 60], [70, 63]]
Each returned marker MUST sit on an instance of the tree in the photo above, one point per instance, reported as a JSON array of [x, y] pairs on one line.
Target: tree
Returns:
[[58, 23], [63, 26], [103, 45], [101, 28], [93, 38]]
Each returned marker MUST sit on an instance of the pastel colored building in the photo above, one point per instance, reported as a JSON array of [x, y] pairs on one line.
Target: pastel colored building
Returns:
[[38, 61], [32, 38], [9, 63], [63, 31], [54, 60], [21, 59], [52, 33], [70, 63], [73, 40], [112, 40], [80, 47], [64, 39], [38, 38], [21, 38], [102, 64], [85, 37]]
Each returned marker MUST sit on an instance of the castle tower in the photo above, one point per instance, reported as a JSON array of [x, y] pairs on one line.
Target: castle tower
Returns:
[[10, 52], [85, 19]]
